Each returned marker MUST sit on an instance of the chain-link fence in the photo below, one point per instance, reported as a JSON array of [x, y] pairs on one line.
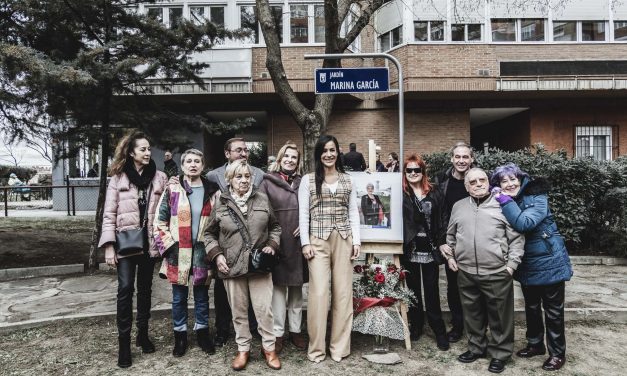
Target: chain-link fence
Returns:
[[74, 197]]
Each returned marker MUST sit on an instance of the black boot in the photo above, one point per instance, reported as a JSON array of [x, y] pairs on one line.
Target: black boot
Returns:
[[180, 343], [144, 341], [124, 352], [205, 342]]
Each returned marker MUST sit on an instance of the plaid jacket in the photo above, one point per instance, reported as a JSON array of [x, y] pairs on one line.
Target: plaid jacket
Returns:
[[329, 211]]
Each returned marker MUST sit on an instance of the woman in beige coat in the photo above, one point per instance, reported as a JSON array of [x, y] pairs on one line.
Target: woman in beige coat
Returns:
[[243, 212], [132, 195]]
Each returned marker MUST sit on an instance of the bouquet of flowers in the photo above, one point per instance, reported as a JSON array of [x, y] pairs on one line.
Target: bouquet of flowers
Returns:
[[375, 295]]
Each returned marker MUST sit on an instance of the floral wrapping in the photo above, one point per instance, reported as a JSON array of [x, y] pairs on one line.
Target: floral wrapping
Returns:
[[381, 321]]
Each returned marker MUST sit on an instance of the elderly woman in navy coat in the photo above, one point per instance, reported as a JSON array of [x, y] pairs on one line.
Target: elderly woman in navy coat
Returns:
[[545, 266]]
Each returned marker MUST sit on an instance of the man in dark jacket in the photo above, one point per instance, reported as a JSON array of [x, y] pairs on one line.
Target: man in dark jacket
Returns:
[[169, 166], [354, 160], [451, 185]]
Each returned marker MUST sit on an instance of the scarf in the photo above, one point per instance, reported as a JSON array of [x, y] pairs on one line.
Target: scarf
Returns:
[[140, 181], [288, 176], [241, 201]]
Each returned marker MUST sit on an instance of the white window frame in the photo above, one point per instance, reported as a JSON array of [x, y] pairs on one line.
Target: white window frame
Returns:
[[613, 30], [445, 37], [388, 35], [450, 33], [207, 11], [592, 131]]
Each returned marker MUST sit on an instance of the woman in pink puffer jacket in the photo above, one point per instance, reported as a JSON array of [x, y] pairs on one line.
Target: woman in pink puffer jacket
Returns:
[[132, 194]]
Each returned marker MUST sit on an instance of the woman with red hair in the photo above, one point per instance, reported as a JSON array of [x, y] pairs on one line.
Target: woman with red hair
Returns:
[[422, 232]]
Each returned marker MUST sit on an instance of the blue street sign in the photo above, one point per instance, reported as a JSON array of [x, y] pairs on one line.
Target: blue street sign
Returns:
[[351, 80]]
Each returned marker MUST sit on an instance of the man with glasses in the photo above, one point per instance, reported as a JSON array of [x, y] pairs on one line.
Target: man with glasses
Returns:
[[486, 250], [451, 185], [234, 149]]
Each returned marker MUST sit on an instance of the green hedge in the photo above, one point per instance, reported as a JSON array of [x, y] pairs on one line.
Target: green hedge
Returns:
[[23, 173], [588, 198]]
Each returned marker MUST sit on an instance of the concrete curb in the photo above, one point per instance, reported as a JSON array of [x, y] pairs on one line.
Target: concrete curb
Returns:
[[614, 315], [46, 271], [40, 271]]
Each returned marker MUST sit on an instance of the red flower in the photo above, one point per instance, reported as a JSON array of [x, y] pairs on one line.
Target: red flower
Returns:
[[358, 269], [401, 275], [391, 268], [377, 269], [379, 278]]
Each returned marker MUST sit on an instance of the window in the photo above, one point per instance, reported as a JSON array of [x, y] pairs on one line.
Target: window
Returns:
[[429, 31], [594, 141], [503, 30], [620, 30], [319, 23], [248, 21], [175, 16], [564, 31], [155, 13], [299, 24], [532, 30], [202, 14], [277, 15], [391, 39], [468, 33], [593, 31]]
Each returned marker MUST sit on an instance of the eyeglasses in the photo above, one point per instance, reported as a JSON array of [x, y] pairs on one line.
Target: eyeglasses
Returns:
[[415, 170], [241, 150]]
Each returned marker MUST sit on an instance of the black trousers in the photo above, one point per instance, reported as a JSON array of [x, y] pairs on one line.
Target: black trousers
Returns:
[[428, 274], [128, 267], [223, 311], [454, 301], [551, 298]]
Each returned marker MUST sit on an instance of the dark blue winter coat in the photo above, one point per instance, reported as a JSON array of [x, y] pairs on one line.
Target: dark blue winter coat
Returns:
[[546, 260]]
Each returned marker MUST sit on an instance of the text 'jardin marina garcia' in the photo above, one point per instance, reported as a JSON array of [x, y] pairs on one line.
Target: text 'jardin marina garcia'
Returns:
[[351, 80]]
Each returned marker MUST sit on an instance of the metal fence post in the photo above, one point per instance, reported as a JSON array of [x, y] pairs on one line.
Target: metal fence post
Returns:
[[73, 202], [6, 202], [67, 182]]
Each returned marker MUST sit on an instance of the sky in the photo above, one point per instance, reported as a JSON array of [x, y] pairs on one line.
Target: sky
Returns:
[[28, 157]]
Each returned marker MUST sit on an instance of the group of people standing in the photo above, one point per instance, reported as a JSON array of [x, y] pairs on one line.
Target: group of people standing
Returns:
[[205, 228]]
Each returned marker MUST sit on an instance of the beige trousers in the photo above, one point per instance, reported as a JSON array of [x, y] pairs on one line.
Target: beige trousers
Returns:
[[332, 259], [259, 288], [287, 299]]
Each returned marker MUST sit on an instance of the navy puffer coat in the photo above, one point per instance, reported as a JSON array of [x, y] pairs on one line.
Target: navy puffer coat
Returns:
[[546, 260]]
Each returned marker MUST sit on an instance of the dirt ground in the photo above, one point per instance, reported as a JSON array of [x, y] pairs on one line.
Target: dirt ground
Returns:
[[89, 347], [30, 242]]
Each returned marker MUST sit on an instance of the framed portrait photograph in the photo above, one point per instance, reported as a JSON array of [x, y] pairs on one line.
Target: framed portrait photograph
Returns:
[[380, 204]]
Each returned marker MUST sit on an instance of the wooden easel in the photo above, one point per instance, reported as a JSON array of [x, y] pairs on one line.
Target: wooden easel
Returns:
[[394, 248]]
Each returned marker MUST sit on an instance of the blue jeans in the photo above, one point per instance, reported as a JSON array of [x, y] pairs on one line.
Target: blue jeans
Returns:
[[179, 307]]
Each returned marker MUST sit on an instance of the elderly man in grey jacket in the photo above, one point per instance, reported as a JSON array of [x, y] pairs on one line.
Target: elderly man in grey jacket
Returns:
[[486, 250]]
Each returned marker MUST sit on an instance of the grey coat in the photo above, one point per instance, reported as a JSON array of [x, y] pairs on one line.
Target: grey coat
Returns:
[[217, 176], [292, 269]]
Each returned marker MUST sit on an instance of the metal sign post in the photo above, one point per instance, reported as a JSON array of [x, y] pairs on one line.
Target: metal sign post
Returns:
[[401, 99]]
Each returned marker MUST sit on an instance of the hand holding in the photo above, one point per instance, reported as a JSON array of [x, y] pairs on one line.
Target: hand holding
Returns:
[[308, 252], [510, 270], [174, 180], [268, 250], [221, 264], [446, 251]]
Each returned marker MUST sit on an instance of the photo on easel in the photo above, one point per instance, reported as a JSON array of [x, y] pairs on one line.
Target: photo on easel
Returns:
[[379, 201]]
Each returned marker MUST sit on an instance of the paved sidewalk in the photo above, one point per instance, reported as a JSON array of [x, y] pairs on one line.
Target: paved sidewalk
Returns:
[[595, 292]]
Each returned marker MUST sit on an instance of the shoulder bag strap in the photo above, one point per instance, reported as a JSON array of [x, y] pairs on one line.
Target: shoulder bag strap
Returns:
[[145, 221], [242, 229]]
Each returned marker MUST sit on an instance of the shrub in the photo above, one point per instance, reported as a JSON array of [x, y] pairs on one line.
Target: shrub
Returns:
[[23, 173], [588, 198]]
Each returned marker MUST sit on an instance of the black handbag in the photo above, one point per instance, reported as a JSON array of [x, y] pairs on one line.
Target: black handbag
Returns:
[[435, 252], [258, 261], [135, 240]]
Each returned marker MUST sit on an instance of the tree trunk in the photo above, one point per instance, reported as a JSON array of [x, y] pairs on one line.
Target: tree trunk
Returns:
[[102, 192], [312, 129]]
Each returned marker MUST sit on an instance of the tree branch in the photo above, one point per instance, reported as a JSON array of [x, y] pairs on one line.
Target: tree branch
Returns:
[[362, 21]]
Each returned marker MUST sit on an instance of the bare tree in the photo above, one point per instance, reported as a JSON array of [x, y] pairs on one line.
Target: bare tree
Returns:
[[10, 152]]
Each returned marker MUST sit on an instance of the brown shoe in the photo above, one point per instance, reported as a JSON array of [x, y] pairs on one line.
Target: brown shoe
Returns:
[[554, 363], [272, 359], [298, 340], [278, 345], [240, 361]]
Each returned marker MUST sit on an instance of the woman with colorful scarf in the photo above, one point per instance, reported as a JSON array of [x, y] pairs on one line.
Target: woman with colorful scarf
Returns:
[[182, 216]]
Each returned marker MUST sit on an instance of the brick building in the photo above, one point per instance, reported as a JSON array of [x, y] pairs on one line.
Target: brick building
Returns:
[[485, 71]]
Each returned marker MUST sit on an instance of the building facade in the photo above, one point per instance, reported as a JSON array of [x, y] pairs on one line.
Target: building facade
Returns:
[[501, 73]]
